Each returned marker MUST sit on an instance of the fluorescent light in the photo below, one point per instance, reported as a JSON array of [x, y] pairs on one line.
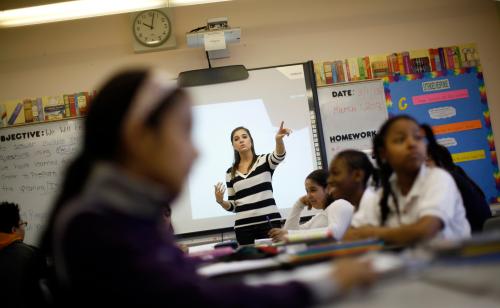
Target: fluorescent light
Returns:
[[193, 2], [83, 9]]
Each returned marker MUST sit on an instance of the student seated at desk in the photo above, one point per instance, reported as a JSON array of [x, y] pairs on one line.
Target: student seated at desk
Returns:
[[346, 183], [477, 209], [21, 265], [415, 202], [106, 234]]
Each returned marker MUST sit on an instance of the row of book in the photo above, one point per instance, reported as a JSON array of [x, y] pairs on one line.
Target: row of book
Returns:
[[46, 108], [401, 63]]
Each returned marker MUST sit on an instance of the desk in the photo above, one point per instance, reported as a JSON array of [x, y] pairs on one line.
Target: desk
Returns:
[[468, 286]]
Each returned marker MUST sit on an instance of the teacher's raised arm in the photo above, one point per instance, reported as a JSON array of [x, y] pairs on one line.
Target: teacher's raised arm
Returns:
[[282, 132]]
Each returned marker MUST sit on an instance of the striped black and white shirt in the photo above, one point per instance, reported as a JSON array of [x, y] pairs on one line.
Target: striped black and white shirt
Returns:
[[251, 194]]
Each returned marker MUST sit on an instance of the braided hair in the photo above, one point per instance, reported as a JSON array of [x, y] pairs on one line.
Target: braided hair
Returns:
[[385, 170]]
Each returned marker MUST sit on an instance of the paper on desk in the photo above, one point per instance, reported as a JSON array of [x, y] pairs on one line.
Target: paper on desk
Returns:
[[384, 262], [304, 274], [200, 248], [236, 267]]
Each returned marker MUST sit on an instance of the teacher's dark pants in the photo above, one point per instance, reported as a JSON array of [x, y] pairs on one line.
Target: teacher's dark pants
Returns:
[[248, 235]]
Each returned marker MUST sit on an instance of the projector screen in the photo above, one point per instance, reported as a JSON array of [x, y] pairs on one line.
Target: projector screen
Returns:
[[259, 103]]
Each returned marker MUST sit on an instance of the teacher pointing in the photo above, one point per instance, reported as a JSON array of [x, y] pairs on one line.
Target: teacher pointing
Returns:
[[249, 186]]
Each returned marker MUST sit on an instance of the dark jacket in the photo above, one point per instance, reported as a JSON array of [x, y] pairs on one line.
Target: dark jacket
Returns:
[[21, 268], [477, 210], [111, 249]]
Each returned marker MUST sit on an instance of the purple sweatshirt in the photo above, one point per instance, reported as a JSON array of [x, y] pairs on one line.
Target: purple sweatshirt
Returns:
[[111, 248]]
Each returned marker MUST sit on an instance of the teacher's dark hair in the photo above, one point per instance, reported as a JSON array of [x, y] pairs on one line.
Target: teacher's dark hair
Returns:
[[103, 137]]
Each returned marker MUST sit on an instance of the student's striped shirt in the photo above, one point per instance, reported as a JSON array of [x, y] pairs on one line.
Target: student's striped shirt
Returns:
[[251, 194]]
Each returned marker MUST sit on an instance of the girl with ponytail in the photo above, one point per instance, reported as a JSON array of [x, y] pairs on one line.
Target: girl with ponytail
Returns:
[[415, 202]]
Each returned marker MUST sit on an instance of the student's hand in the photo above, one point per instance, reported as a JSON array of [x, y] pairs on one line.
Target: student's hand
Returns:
[[220, 189], [282, 132], [305, 201], [277, 234], [183, 247], [350, 273], [361, 233]]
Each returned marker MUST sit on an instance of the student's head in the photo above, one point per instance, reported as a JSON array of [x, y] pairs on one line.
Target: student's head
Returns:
[[316, 188], [349, 174], [10, 219], [400, 144], [141, 121], [242, 142]]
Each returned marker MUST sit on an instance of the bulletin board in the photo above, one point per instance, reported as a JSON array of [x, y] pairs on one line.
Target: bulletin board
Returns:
[[454, 103], [351, 114]]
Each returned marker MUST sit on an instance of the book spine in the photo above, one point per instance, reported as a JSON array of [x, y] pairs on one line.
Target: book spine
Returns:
[[328, 72], [354, 69], [368, 67], [34, 109], [361, 68], [442, 59], [28, 111], [340, 71], [71, 103], [406, 62], [414, 66], [401, 64], [77, 108], [395, 64], [451, 62], [437, 61], [432, 59], [334, 73], [347, 70], [320, 75], [82, 103], [390, 69], [67, 108], [39, 104], [3, 115], [425, 65], [15, 114], [456, 57]]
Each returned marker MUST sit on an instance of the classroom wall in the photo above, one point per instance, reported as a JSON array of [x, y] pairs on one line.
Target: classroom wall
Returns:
[[78, 55]]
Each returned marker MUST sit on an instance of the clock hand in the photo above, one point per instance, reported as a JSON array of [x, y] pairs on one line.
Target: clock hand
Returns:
[[153, 21], [150, 27]]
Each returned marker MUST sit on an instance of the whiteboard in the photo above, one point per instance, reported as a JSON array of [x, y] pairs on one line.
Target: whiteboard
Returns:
[[32, 161], [351, 114], [269, 95]]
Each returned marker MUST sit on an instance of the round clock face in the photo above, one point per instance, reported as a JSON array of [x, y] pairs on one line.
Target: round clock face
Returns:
[[152, 28]]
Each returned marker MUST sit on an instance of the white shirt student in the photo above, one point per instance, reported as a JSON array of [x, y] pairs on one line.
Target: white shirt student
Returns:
[[336, 217], [434, 193]]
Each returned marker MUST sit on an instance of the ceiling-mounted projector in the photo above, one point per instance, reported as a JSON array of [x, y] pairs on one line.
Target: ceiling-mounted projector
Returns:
[[196, 38]]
